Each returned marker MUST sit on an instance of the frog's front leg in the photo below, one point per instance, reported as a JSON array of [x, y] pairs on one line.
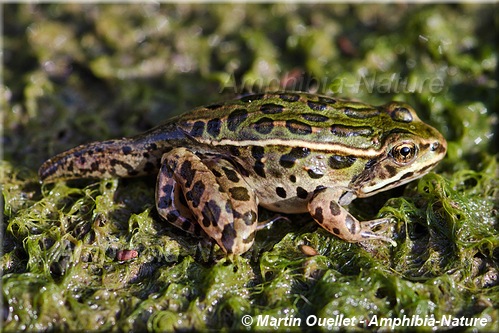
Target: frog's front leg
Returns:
[[326, 210], [218, 198]]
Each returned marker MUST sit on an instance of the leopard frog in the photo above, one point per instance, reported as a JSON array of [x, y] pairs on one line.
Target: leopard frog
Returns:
[[288, 152]]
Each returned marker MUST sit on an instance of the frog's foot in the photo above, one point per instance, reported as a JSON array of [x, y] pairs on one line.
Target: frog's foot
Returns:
[[325, 209], [207, 192], [367, 228]]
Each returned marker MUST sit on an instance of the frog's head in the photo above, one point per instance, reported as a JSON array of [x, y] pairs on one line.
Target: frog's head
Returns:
[[409, 150]]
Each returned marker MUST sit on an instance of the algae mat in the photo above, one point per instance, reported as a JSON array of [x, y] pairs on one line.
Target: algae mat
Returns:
[[77, 73]]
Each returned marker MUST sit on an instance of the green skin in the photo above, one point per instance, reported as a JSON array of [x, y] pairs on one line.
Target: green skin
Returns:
[[288, 152]]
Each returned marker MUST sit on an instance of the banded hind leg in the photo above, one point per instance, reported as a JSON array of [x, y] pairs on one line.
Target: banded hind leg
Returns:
[[217, 198], [171, 204]]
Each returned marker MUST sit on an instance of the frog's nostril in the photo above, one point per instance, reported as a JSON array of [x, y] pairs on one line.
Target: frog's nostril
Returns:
[[434, 146]]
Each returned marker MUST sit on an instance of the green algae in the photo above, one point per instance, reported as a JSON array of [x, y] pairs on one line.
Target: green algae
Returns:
[[78, 73]]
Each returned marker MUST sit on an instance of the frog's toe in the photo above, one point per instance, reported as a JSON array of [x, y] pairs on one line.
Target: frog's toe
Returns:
[[368, 234]]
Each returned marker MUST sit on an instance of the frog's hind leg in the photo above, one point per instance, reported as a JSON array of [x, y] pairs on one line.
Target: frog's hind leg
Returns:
[[242, 203], [171, 205], [217, 198]]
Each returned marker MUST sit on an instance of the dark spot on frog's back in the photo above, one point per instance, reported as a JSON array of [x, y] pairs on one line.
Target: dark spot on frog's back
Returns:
[[327, 100], [264, 126], [348, 131], [197, 129], [297, 127], [317, 106], [289, 97], [319, 188], [271, 108], [213, 127], [361, 113], [236, 118], [314, 117]]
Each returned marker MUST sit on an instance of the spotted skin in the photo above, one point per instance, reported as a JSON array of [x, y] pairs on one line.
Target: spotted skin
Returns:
[[288, 152], [226, 210], [325, 209]]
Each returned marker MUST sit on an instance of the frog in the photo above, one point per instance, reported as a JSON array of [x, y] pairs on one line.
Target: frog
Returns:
[[288, 152]]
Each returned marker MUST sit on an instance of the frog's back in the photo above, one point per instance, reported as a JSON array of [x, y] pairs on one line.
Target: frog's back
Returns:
[[297, 119], [286, 119]]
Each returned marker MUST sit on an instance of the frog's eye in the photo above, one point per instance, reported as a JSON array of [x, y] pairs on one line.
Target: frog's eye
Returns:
[[404, 153]]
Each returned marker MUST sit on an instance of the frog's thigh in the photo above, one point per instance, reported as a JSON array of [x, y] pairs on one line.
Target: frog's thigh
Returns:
[[325, 209], [242, 203], [209, 198], [170, 202]]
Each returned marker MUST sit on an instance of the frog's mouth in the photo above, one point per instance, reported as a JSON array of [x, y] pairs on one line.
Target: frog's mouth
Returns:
[[382, 178]]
